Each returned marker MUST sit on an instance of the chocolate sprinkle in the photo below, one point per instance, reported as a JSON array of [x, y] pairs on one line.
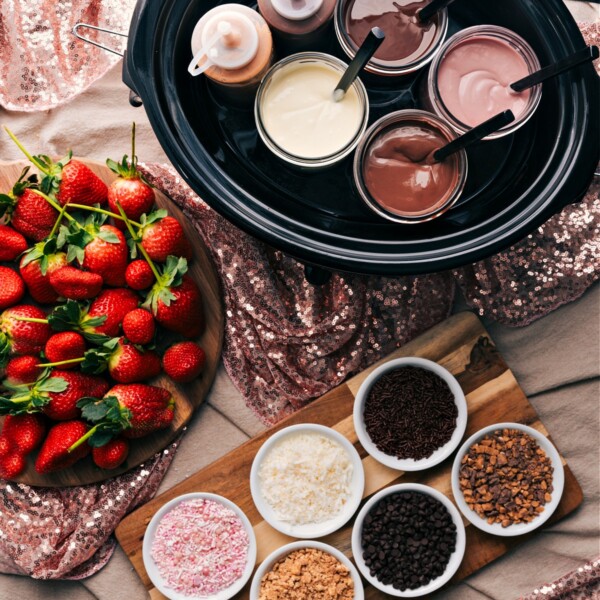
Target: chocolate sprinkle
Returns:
[[410, 412]]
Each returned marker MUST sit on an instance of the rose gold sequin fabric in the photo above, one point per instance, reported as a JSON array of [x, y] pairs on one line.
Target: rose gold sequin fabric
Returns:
[[581, 584], [42, 64], [288, 341], [65, 533]]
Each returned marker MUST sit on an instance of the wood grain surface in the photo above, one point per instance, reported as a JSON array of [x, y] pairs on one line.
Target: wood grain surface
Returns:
[[188, 396], [462, 345]]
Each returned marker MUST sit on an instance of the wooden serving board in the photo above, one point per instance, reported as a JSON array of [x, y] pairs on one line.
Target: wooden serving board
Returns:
[[463, 346], [188, 396]]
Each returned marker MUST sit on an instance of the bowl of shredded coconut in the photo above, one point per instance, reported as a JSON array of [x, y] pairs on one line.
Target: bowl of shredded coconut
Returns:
[[307, 480], [199, 545]]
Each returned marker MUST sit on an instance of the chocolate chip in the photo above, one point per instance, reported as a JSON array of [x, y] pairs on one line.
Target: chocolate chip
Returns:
[[408, 540]]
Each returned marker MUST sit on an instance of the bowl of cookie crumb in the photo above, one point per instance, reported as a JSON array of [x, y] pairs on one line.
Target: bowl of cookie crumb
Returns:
[[507, 479], [310, 569]]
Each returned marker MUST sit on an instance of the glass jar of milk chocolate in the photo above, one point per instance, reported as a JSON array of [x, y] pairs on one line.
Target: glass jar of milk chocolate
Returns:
[[409, 44], [394, 169]]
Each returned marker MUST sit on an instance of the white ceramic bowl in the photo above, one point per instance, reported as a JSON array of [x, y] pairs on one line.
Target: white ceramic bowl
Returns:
[[152, 569], [558, 481], [409, 464], [311, 530], [278, 554], [455, 558]]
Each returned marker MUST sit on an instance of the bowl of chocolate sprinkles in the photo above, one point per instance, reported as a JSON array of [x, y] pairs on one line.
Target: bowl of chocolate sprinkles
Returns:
[[408, 540], [507, 479], [410, 414]]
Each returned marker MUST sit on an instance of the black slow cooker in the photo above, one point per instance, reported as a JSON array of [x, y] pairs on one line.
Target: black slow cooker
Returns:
[[515, 183]]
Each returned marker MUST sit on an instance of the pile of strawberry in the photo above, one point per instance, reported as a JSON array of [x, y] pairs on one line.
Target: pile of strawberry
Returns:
[[106, 274]]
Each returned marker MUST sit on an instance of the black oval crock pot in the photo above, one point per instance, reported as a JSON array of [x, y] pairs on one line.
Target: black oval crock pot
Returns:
[[515, 183]]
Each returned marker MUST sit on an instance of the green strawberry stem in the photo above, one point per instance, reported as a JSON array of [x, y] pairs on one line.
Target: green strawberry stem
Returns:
[[101, 211], [133, 157], [69, 361], [53, 204], [58, 220], [30, 319], [83, 438], [138, 244], [32, 159]]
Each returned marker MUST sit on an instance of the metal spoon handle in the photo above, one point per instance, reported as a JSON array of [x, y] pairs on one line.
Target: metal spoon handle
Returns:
[[364, 54], [474, 135], [573, 60], [434, 6]]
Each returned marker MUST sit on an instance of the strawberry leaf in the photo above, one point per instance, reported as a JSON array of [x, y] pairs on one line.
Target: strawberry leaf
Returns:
[[52, 384], [66, 317], [108, 236], [94, 409], [102, 436], [95, 360], [16, 388], [4, 350], [108, 417], [152, 217], [75, 252]]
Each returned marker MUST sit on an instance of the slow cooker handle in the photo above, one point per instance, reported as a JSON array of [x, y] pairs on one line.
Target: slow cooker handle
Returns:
[[134, 97]]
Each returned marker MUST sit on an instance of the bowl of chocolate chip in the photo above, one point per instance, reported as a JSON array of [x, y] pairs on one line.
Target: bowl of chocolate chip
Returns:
[[408, 540], [507, 479], [410, 414]]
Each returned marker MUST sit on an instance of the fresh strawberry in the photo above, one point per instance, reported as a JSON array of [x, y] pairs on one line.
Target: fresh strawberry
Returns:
[[107, 254], [25, 431], [29, 213], [175, 300], [22, 337], [133, 410], [12, 243], [112, 454], [12, 288], [126, 363], [6, 446], [54, 454], [114, 305], [135, 195], [64, 346], [139, 275], [36, 266], [55, 394], [73, 283], [184, 361], [138, 326], [163, 236], [12, 465], [23, 369]]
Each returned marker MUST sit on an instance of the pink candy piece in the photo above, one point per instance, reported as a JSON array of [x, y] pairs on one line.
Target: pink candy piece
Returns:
[[200, 547]]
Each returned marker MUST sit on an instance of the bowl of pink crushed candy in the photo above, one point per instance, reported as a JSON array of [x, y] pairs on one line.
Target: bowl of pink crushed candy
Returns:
[[199, 545]]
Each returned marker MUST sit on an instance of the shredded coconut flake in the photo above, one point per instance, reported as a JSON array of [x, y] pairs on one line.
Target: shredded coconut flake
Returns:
[[306, 478], [200, 547]]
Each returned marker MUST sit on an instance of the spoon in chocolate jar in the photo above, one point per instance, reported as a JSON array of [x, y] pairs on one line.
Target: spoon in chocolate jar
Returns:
[[566, 64], [363, 55], [472, 136], [431, 9]]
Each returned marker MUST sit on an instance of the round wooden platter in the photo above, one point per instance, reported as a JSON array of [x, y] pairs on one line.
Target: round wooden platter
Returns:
[[188, 396]]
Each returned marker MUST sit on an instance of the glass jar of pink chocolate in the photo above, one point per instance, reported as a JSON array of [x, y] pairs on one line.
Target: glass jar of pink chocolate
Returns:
[[395, 172], [298, 118], [469, 79], [409, 44]]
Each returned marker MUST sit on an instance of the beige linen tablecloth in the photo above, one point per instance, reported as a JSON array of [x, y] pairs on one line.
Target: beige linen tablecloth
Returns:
[[556, 360]]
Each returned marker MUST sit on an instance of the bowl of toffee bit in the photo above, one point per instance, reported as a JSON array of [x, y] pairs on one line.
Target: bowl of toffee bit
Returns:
[[507, 479], [410, 414]]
